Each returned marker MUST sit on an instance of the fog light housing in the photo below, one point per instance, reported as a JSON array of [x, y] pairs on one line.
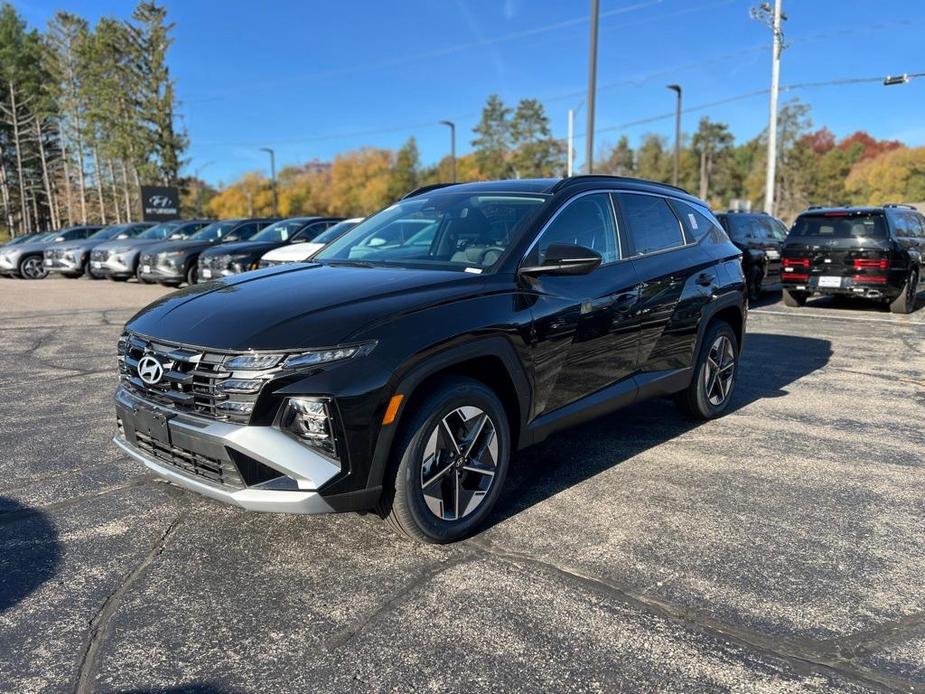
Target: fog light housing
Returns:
[[311, 422]]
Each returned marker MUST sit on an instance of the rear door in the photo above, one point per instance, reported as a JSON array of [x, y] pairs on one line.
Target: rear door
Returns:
[[583, 326], [672, 270]]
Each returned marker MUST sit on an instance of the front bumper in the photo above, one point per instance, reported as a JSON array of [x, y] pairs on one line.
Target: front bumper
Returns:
[[65, 265], [160, 273], [114, 266], [208, 456], [8, 264]]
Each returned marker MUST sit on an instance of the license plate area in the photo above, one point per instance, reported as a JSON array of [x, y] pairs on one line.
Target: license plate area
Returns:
[[152, 423], [830, 281], [96, 264], [206, 273], [146, 269]]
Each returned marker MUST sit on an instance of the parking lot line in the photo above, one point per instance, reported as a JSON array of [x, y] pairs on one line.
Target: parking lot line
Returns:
[[838, 317]]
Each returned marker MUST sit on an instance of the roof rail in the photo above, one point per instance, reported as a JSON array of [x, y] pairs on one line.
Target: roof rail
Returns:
[[425, 189], [816, 207], [900, 204], [571, 180]]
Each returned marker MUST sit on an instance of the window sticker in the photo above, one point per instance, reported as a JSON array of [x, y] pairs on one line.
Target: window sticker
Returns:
[[690, 216]]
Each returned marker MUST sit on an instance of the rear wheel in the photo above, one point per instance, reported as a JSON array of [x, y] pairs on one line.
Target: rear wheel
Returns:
[[32, 268], [449, 462], [715, 372], [794, 299], [905, 302]]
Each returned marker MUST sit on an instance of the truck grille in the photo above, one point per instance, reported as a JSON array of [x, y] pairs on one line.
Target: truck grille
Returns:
[[193, 380]]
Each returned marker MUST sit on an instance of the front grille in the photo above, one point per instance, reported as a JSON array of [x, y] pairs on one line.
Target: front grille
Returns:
[[192, 379], [210, 469]]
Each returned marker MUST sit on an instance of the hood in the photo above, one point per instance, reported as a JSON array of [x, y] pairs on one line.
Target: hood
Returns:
[[180, 245], [250, 247], [293, 252], [81, 245], [296, 307], [29, 246], [130, 244]]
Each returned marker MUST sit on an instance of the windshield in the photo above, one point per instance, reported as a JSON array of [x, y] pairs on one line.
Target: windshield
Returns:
[[280, 231], [213, 231], [840, 225], [158, 231], [452, 230], [333, 232], [113, 231]]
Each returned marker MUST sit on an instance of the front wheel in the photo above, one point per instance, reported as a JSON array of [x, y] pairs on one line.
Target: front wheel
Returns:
[[715, 372], [450, 460], [32, 268], [192, 274], [794, 299], [905, 302]]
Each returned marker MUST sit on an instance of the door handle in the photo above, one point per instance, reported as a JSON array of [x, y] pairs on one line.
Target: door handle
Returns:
[[624, 302], [705, 279]]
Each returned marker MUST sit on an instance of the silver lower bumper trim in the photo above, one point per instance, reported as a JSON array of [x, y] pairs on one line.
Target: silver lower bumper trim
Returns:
[[263, 500]]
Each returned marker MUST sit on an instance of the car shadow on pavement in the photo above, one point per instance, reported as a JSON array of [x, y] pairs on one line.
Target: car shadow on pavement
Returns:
[[29, 551], [769, 364], [190, 688]]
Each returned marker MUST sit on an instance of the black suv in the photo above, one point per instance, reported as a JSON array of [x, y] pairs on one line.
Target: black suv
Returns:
[[399, 373], [234, 258], [869, 252], [760, 237]]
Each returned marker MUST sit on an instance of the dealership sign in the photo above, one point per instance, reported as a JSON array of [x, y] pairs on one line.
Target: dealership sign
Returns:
[[160, 203]]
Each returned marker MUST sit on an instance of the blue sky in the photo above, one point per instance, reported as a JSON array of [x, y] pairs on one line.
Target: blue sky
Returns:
[[314, 78]]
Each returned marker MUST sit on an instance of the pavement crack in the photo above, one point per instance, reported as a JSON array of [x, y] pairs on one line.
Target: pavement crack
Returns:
[[802, 655], [417, 581], [99, 624]]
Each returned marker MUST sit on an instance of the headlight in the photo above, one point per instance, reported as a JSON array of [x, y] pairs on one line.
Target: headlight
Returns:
[[311, 422], [325, 356], [172, 254], [253, 362]]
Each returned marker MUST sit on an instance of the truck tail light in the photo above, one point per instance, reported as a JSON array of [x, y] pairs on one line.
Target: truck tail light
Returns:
[[796, 262], [870, 279], [871, 263]]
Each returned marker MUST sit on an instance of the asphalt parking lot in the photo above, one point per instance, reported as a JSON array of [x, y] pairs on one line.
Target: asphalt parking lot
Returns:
[[780, 548]]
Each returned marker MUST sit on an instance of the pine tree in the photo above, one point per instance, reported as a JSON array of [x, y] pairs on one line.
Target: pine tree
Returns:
[[536, 152], [405, 172], [620, 160], [493, 142]]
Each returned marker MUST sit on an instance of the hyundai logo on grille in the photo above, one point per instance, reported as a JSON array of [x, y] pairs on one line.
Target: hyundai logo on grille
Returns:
[[150, 370]]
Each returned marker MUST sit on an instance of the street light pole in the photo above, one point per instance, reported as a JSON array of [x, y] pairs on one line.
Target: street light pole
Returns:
[[571, 144], [272, 178], [677, 133], [452, 126], [592, 87], [772, 17]]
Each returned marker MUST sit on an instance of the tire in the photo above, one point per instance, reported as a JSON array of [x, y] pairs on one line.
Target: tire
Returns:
[[32, 267], [794, 299], [192, 274], [141, 280], [442, 501], [905, 302], [708, 395]]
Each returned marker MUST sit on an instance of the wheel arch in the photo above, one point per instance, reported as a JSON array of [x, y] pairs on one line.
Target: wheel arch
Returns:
[[491, 360]]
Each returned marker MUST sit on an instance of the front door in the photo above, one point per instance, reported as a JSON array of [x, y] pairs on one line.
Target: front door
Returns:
[[583, 325]]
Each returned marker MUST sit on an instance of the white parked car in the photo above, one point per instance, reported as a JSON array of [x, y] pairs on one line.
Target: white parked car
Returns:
[[297, 252]]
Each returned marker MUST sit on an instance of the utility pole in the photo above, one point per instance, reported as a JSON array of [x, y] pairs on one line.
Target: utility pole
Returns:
[[452, 126], [677, 133], [272, 179], [772, 17], [571, 143], [592, 86]]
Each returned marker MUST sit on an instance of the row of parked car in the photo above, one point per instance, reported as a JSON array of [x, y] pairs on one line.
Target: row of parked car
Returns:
[[170, 253]]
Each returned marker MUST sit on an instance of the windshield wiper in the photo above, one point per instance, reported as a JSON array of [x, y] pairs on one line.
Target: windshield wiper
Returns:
[[351, 263]]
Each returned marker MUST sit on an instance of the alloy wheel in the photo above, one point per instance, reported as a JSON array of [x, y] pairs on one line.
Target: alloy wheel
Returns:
[[719, 370], [459, 463], [33, 269]]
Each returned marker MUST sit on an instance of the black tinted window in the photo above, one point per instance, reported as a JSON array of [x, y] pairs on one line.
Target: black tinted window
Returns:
[[243, 232], [586, 221], [840, 225], [696, 223], [652, 226]]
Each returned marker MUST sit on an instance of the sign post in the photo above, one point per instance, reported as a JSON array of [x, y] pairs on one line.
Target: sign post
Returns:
[[160, 203]]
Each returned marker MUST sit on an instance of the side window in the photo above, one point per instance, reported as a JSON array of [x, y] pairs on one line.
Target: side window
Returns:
[[652, 226], [912, 224], [586, 221], [244, 232], [696, 223], [312, 230], [919, 220], [778, 230]]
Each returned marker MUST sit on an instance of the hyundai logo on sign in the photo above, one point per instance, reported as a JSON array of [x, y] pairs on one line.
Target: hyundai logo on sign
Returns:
[[160, 203]]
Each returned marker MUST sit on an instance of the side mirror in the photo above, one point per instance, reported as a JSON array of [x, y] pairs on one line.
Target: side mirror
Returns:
[[565, 259]]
